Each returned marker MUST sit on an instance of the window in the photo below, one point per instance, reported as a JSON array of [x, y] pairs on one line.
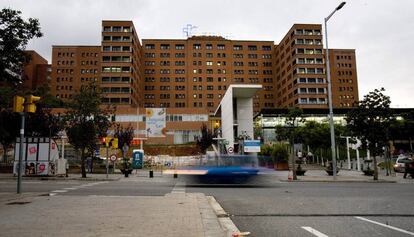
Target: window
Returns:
[[252, 47], [179, 46], [164, 55], [149, 46], [164, 46], [209, 55], [237, 47], [209, 46], [221, 47], [209, 63], [266, 48], [196, 46], [252, 56]]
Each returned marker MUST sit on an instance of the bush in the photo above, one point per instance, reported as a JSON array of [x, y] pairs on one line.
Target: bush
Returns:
[[280, 153]]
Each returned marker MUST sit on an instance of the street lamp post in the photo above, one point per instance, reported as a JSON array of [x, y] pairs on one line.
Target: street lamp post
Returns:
[[328, 75]]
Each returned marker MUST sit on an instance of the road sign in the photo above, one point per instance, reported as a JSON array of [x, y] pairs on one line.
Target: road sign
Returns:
[[251, 145], [113, 157], [230, 150]]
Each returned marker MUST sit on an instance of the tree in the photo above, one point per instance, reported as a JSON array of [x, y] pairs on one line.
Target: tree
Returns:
[[371, 121], [290, 132], [205, 140], [86, 122], [41, 123], [9, 129], [409, 126], [15, 33], [48, 100]]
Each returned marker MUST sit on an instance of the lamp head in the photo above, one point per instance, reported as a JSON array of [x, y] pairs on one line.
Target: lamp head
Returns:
[[340, 6]]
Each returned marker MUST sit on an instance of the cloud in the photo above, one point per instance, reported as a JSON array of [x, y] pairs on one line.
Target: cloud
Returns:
[[379, 30]]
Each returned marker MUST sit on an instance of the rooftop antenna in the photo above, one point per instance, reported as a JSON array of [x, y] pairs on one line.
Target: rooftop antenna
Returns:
[[187, 30]]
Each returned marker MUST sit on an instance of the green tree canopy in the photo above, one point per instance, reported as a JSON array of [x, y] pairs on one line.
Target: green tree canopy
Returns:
[[86, 122], [15, 33], [206, 139], [371, 121]]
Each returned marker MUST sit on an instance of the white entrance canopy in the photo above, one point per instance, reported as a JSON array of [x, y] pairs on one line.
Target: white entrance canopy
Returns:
[[236, 112]]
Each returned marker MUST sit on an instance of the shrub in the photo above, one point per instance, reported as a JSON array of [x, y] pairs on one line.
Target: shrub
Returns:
[[280, 153]]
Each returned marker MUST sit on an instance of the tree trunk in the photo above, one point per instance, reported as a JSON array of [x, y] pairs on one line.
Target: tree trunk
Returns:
[[292, 153], [375, 167], [83, 170], [5, 153]]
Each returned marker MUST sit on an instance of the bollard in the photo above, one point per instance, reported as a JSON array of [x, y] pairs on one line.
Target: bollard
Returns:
[[175, 175], [151, 174]]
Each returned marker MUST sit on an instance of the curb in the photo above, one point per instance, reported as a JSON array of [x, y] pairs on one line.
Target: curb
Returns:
[[226, 223], [338, 181], [63, 179], [14, 196]]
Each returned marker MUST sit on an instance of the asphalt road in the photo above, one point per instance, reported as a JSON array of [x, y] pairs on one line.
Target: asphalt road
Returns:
[[273, 208], [331, 209]]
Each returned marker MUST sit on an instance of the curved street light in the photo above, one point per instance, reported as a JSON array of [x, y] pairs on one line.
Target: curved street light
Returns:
[[328, 75]]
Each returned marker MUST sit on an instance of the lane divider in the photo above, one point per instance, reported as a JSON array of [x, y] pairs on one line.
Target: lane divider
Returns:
[[179, 188], [313, 231], [384, 225]]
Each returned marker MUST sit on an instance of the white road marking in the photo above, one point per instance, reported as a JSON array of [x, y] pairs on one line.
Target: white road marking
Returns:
[[179, 188], [384, 225], [313, 231], [64, 190], [70, 188]]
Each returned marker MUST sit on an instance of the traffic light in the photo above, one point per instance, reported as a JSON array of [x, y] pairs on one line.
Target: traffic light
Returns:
[[18, 104], [104, 141], [114, 143], [30, 106]]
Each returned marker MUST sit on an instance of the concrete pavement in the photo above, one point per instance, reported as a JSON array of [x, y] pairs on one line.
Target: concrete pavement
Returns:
[[175, 214], [320, 175]]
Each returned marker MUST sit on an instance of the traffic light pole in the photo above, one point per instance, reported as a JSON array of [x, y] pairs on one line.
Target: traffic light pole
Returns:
[[107, 162], [19, 170]]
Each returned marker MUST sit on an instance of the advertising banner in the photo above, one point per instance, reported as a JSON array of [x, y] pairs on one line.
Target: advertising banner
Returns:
[[155, 122]]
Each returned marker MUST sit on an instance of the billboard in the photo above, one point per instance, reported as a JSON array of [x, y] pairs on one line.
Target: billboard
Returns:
[[155, 122]]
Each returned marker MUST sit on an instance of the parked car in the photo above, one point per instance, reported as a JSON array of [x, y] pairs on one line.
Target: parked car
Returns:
[[400, 163]]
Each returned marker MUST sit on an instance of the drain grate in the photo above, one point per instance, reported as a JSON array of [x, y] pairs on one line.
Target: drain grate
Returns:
[[17, 203]]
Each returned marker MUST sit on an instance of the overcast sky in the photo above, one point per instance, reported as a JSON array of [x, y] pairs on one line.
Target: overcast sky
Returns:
[[381, 31]]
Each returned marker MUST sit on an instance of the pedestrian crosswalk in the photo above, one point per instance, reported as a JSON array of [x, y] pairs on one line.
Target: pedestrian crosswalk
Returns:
[[64, 190]]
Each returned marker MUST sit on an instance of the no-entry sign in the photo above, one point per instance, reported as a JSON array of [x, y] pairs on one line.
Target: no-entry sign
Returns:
[[113, 157]]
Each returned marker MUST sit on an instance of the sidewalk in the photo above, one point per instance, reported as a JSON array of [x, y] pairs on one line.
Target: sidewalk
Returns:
[[89, 177], [320, 175], [177, 214]]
